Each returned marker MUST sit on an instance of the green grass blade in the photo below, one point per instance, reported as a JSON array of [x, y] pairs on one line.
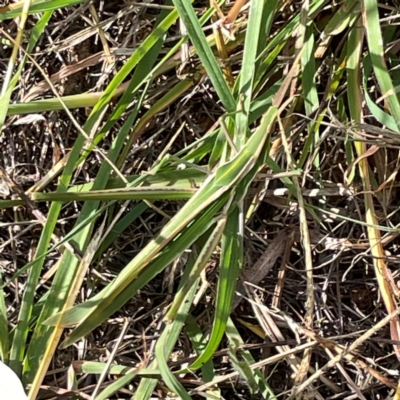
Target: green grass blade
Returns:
[[4, 338], [250, 53], [199, 342], [230, 266], [97, 367], [117, 385], [206, 56], [311, 100], [142, 193], [341, 18], [37, 106], [189, 279], [36, 33], [257, 375], [380, 115], [244, 370], [166, 342], [375, 45], [37, 6], [147, 385]]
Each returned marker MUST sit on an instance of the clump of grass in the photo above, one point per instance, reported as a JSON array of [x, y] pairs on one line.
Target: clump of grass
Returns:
[[258, 146]]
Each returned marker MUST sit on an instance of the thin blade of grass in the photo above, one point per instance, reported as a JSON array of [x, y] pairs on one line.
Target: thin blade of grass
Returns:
[[355, 106], [116, 386], [199, 342], [14, 10], [170, 334], [96, 367], [188, 16], [311, 100], [381, 116], [8, 88], [250, 53], [256, 374], [230, 266], [374, 38], [199, 265], [73, 290], [142, 193], [4, 334]]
